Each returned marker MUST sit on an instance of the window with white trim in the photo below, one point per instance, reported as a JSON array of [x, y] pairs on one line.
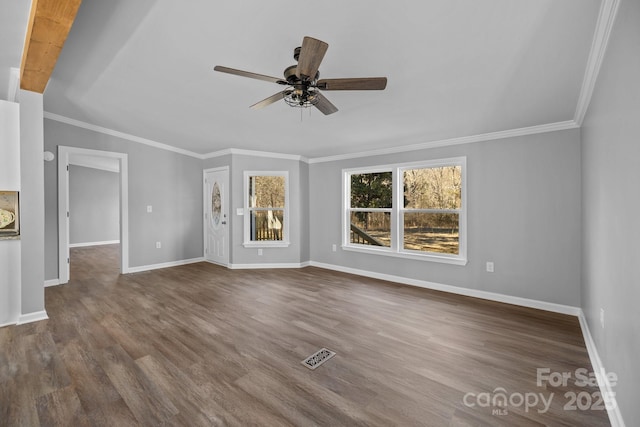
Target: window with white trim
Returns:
[[411, 210], [266, 209]]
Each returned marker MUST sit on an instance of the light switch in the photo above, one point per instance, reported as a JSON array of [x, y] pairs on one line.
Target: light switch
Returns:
[[149, 208]]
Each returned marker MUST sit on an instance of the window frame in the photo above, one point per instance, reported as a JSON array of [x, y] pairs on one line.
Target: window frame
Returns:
[[247, 242], [397, 212]]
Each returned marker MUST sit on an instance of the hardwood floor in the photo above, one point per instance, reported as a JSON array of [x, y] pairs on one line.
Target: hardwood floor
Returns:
[[200, 345]]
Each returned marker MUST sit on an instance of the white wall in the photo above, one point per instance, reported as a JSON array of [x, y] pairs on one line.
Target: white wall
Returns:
[[523, 200], [611, 232], [10, 250], [31, 206]]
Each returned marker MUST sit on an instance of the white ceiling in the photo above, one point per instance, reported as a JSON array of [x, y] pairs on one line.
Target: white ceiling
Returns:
[[455, 68], [14, 17]]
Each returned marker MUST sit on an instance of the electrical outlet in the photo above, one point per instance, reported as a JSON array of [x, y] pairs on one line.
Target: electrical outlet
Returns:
[[490, 266], [149, 208], [158, 245], [602, 317], [334, 248], [260, 252]]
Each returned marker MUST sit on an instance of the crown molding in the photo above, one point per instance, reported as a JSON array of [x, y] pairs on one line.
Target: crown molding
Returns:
[[220, 153], [118, 134], [531, 130], [160, 145], [242, 152], [604, 25]]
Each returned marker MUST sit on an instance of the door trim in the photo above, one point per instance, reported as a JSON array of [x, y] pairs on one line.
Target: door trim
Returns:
[[205, 211], [63, 207]]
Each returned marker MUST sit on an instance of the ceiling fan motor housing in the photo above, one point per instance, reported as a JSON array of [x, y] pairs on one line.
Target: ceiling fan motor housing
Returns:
[[292, 78]]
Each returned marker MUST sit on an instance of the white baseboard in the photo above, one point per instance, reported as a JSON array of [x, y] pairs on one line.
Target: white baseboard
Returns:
[[32, 317], [613, 410], [163, 265], [2, 325], [217, 263], [106, 242], [269, 265], [51, 282], [492, 296]]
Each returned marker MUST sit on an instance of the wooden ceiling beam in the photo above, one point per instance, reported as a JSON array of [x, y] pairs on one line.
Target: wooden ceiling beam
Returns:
[[49, 24]]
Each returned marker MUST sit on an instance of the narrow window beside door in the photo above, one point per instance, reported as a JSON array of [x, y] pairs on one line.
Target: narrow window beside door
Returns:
[[266, 222]]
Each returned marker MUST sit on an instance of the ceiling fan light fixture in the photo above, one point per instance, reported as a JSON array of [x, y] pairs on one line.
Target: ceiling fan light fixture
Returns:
[[301, 98]]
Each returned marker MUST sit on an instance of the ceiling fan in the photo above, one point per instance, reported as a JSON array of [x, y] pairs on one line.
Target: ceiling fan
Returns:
[[302, 81]]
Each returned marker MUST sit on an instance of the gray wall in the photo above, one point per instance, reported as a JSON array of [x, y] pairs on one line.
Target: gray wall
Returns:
[[523, 214], [291, 254], [611, 232], [94, 204], [170, 182], [305, 238]]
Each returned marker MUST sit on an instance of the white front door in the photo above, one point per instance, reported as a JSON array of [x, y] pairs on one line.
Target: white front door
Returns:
[[216, 215]]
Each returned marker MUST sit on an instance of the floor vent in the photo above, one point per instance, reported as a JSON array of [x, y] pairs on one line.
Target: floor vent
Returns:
[[318, 358]]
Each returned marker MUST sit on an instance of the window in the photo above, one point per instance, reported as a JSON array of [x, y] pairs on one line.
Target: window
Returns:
[[415, 210], [266, 208], [370, 208]]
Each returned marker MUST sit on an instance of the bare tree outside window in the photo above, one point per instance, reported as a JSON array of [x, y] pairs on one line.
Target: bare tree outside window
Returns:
[[432, 199], [428, 218]]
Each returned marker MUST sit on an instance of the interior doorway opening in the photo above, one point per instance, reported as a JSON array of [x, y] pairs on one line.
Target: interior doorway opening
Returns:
[[112, 162]]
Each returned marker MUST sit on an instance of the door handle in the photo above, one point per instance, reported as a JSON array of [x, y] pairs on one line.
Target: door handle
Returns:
[[224, 222]]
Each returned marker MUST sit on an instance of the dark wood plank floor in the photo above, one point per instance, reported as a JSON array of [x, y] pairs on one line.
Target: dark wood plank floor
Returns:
[[200, 345]]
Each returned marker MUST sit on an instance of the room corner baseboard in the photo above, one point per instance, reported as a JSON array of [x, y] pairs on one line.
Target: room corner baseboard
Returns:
[[32, 317], [269, 265], [51, 282], [163, 265], [82, 245], [492, 296], [613, 410]]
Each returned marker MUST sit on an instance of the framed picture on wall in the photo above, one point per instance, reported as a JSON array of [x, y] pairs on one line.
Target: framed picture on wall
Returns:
[[9, 214]]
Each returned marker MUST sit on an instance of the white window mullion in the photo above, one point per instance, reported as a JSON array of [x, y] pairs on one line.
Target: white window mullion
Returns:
[[396, 203]]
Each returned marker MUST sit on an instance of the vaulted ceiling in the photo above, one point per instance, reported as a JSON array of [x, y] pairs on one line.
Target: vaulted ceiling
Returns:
[[455, 68]]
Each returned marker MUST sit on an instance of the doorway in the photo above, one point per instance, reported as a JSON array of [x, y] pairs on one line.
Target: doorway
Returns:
[[216, 215], [118, 163]]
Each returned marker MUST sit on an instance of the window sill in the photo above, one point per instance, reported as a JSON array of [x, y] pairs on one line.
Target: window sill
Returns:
[[267, 244], [407, 255]]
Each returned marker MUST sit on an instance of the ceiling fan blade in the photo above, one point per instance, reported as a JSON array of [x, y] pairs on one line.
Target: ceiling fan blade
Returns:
[[363, 83], [325, 105], [270, 100], [311, 55], [248, 74]]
